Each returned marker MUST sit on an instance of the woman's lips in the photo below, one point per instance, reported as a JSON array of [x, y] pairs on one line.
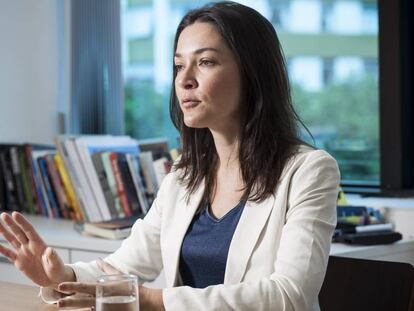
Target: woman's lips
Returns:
[[190, 104]]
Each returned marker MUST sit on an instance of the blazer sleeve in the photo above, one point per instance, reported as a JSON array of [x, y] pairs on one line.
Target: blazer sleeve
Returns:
[[139, 254], [302, 255]]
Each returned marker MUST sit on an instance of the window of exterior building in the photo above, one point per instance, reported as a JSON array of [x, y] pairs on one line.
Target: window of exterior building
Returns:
[[331, 49]]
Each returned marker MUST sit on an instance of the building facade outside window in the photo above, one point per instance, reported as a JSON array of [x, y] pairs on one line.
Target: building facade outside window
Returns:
[[331, 49]]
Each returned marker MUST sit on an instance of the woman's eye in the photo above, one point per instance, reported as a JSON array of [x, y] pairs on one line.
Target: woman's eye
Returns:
[[178, 67], [206, 62]]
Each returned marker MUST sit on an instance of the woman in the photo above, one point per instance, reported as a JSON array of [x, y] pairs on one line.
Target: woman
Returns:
[[244, 220]]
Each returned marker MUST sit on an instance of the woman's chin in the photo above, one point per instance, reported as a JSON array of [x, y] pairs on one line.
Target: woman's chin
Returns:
[[193, 123]]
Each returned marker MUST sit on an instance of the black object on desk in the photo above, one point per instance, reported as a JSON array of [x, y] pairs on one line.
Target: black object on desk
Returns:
[[369, 238]]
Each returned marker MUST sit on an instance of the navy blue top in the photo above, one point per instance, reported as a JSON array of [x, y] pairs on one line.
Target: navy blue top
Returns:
[[205, 247]]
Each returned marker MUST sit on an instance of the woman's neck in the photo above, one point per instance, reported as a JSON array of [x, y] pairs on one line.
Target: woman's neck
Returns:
[[227, 147]]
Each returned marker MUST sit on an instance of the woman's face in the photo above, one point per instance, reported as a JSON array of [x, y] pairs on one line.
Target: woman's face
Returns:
[[208, 83]]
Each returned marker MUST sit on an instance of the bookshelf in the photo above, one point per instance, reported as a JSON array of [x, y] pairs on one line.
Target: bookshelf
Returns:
[[89, 178]]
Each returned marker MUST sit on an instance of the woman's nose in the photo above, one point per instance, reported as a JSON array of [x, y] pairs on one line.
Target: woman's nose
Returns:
[[187, 80]]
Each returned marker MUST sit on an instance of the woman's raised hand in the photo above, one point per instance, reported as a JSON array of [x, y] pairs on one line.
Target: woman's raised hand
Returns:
[[30, 254]]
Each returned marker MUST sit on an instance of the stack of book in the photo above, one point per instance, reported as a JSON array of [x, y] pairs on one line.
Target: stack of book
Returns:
[[85, 178], [363, 226], [111, 229]]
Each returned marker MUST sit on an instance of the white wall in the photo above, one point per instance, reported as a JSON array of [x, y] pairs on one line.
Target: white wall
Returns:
[[29, 77]]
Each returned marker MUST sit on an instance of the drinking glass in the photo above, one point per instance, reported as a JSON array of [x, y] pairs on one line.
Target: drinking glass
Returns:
[[117, 292]]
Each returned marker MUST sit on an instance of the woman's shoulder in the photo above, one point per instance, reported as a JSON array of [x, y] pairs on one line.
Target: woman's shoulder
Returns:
[[308, 157], [306, 152]]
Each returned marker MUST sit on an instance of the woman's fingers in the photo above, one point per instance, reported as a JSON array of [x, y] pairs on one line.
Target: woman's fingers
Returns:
[[77, 287], [26, 227], [77, 302], [14, 228], [8, 253], [9, 236], [106, 267]]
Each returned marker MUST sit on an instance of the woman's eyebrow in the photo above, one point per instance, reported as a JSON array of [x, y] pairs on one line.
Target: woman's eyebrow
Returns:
[[199, 51]]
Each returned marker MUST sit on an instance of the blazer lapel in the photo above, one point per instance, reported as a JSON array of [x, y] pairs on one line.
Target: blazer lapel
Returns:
[[179, 226], [247, 233]]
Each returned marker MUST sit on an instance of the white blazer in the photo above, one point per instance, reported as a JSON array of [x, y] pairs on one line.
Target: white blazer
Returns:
[[277, 257]]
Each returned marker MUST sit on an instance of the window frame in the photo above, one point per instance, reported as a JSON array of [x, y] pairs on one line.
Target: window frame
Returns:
[[395, 103]]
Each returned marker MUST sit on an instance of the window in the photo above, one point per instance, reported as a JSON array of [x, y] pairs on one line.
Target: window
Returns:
[[331, 49]]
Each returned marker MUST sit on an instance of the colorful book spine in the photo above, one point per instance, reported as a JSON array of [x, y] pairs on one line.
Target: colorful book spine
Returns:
[[113, 157], [146, 161], [133, 164], [83, 187], [131, 193], [46, 209], [112, 183], [62, 202], [75, 210], [103, 180], [92, 178], [27, 182], [12, 203], [53, 212], [35, 186], [17, 177]]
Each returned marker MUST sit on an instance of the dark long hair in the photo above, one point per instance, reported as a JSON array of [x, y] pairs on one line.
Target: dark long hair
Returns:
[[270, 133]]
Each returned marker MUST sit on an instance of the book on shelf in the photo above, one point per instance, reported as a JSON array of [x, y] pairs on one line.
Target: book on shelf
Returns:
[[53, 210], [81, 183], [57, 186], [113, 158], [103, 181], [111, 229], [17, 178], [11, 202], [161, 168], [34, 176], [30, 199], [40, 173], [112, 183], [157, 146], [75, 211], [133, 164], [67, 173], [146, 161], [130, 190]]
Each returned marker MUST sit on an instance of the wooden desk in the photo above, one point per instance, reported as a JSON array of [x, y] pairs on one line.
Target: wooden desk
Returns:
[[17, 297]]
